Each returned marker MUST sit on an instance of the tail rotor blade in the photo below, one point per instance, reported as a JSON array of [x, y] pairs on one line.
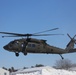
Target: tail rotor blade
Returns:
[[69, 36], [74, 36], [72, 39]]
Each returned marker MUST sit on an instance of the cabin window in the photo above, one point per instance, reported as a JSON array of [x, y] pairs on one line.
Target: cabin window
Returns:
[[33, 45]]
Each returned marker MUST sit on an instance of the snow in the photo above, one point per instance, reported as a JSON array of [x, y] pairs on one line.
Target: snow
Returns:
[[72, 69], [44, 71]]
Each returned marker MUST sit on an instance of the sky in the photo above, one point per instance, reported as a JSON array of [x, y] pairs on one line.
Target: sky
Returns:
[[30, 16]]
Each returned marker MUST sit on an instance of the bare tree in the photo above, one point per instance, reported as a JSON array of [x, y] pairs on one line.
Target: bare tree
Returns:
[[63, 64], [37, 65]]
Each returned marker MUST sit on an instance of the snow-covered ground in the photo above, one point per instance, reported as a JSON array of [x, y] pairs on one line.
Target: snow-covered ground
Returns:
[[44, 71], [53, 71]]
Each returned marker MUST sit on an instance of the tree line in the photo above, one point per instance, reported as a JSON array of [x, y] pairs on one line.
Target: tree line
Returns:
[[12, 69], [59, 64]]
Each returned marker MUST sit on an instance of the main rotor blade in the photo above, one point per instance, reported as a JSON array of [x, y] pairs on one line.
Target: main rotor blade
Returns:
[[11, 33], [10, 36], [19, 35], [15, 34], [46, 31], [46, 34], [27, 35]]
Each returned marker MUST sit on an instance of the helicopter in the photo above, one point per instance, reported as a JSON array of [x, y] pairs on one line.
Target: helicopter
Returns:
[[31, 45]]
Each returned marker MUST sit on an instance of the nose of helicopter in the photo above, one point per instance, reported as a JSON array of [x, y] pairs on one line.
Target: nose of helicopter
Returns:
[[5, 47]]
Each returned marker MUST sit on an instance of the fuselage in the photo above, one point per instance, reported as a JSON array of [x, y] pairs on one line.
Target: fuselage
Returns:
[[34, 48], [43, 48], [31, 45]]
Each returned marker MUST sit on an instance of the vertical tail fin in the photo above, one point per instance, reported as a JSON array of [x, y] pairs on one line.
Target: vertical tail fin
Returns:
[[70, 45]]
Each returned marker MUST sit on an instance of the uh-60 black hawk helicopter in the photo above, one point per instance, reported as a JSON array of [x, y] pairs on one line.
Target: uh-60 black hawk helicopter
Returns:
[[31, 45]]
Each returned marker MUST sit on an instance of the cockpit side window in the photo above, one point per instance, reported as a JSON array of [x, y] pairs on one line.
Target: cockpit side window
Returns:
[[29, 45]]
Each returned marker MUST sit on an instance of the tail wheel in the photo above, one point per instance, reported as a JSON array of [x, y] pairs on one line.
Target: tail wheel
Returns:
[[17, 54]]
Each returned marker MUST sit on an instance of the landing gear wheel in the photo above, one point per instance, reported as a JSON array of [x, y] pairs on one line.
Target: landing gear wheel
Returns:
[[17, 54], [25, 53]]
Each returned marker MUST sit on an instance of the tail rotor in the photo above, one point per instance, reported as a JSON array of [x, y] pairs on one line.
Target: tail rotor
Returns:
[[70, 45], [72, 39]]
